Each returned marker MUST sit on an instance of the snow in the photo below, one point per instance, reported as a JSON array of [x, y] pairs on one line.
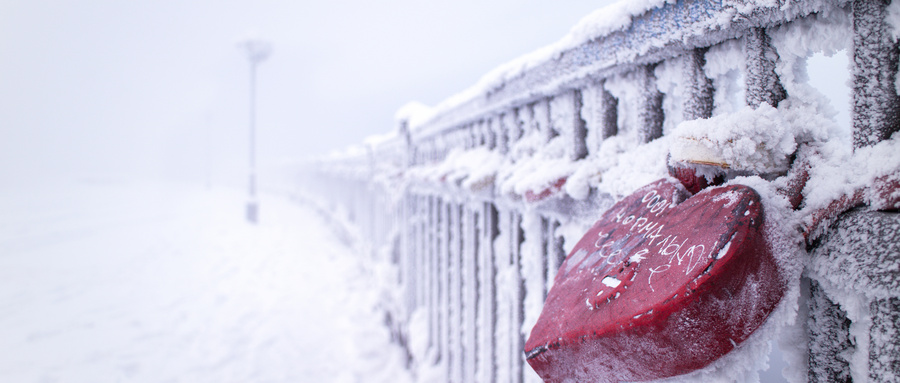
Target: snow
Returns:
[[759, 140], [472, 169], [612, 18], [122, 280], [840, 173], [636, 167]]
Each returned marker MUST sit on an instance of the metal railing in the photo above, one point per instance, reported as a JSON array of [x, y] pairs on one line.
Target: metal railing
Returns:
[[476, 252]]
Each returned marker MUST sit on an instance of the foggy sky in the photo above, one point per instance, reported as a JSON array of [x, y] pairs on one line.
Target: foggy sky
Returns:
[[113, 89]]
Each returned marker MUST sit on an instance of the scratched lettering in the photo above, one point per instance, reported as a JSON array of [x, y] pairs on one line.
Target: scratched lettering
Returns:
[[677, 251], [605, 257], [656, 270], [639, 223], [620, 215], [600, 237], [694, 255]]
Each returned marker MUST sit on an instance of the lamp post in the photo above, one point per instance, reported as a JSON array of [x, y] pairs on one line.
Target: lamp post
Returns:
[[257, 51]]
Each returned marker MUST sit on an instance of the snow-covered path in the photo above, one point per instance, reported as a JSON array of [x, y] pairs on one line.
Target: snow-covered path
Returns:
[[129, 281]]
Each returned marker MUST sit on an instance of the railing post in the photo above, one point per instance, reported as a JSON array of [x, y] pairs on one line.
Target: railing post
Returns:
[[422, 259], [433, 273], [487, 295], [534, 272], [470, 291], [829, 338], [518, 338], [763, 84], [698, 95], [565, 110], [541, 120], [475, 136], [504, 129], [610, 114], [446, 313], [456, 321], [407, 271], [863, 267], [876, 107], [524, 123], [408, 148], [884, 344], [650, 114], [555, 252], [544, 250], [436, 273], [876, 115], [502, 261], [490, 132], [509, 357], [477, 133]]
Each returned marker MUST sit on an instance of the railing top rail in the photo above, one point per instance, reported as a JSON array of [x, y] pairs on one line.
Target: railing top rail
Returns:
[[665, 31]]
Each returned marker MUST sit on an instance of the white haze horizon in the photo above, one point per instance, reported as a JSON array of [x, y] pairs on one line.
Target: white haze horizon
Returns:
[[159, 90]]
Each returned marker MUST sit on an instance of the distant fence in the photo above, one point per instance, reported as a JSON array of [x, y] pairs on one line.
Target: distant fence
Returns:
[[477, 204]]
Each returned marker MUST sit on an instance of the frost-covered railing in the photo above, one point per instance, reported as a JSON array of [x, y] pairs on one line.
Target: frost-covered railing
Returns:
[[476, 202]]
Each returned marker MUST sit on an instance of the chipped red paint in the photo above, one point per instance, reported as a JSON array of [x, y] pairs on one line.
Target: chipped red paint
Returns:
[[663, 284], [531, 196], [691, 181], [882, 194]]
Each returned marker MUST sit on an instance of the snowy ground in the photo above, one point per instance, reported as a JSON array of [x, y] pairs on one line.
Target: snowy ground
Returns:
[[109, 281]]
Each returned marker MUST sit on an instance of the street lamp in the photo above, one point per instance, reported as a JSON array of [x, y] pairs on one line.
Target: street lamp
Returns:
[[257, 51]]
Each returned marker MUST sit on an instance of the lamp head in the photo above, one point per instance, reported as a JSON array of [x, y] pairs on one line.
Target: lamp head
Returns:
[[257, 50]]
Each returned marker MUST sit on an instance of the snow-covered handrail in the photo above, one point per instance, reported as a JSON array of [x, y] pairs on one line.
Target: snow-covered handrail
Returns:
[[477, 201], [602, 45]]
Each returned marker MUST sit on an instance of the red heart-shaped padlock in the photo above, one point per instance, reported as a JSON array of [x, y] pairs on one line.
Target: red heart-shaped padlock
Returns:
[[660, 286]]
